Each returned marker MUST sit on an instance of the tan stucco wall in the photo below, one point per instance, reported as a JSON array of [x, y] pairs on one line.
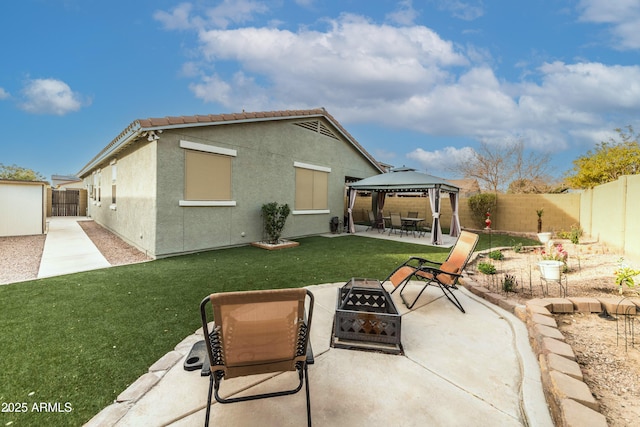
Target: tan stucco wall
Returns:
[[263, 171], [134, 216], [609, 214], [515, 212]]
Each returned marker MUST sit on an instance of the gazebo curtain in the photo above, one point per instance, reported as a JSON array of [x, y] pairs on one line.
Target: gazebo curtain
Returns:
[[352, 202], [381, 197], [434, 202], [454, 231]]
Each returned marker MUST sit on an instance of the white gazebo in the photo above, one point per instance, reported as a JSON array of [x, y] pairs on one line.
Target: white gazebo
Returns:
[[408, 180]]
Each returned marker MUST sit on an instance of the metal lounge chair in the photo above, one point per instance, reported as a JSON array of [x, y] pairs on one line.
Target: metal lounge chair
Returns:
[[445, 275], [257, 332]]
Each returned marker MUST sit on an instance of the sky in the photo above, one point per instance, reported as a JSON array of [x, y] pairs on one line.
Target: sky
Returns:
[[416, 82]]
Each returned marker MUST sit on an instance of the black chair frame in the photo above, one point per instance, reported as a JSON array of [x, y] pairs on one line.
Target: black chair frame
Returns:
[[215, 352]]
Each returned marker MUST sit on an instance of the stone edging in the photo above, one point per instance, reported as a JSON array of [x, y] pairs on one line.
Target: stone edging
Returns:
[[126, 400], [569, 398]]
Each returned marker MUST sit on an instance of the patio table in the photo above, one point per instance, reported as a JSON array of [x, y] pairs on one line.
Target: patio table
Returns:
[[412, 222]]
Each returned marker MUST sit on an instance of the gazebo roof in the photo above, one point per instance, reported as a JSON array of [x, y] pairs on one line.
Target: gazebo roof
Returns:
[[403, 179]]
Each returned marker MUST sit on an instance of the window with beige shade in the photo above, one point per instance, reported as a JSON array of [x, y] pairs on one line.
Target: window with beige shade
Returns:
[[312, 189], [207, 175]]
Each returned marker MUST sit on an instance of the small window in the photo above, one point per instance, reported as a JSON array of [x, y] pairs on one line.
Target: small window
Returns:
[[114, 175]]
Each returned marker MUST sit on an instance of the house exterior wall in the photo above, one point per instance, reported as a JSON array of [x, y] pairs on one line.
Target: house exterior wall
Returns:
[[262, 172], [133, 217], [23, 209]]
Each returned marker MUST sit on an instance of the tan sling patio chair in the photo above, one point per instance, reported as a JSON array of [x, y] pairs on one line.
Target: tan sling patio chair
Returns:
[[444, 275], [257, 332]]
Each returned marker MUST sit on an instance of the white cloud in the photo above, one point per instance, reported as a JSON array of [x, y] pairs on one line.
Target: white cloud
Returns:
[[224, 14], [384, 155], [50, 96], [354, 60], [177, 19], [405, 14], [4, 94], [409, 77], [622, 15], [465, 10], [438, 161]]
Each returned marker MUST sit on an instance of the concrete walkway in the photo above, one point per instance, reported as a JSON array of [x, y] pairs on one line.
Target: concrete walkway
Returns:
[[458, 369], [67, 249]]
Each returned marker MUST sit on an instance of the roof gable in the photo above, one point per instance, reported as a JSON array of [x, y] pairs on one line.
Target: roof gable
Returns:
[[148, 128]]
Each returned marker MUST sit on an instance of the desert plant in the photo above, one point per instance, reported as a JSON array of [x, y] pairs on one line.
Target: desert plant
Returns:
[[509, 283], [274, 217], [540, 212], [625, 276], [486, 268], [480, 204], [496, 255], [575, 234], [517, 248]]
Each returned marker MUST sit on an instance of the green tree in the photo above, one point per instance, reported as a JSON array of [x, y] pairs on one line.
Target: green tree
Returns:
[[480, 204], [607, 161], [19, 173]]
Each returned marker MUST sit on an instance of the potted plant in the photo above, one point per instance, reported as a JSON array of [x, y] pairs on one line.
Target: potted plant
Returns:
[[553, 262], [543, 237]]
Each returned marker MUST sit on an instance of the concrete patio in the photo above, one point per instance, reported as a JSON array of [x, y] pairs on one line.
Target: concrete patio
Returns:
[[473, 368]]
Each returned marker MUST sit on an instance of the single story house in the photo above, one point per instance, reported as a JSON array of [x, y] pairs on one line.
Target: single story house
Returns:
[[23, 210], [177, 185], [66, 181]]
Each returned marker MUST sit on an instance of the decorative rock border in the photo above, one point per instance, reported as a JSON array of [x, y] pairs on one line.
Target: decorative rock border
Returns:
[[570, 401]]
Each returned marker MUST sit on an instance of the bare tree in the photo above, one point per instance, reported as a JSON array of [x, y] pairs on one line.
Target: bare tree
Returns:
[[490, 165], [530, 171], [501, 167]]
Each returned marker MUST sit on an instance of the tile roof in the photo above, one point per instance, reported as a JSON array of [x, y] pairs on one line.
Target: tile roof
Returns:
[[139, 126]]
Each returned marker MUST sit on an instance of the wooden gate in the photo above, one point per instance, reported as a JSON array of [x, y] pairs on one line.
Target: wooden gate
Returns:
[[65, 203]]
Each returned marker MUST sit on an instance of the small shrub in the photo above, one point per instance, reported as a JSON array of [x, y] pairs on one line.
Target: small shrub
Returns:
[[274, 216], [574, 234], [496, 255], [624, 275], [480, 204], [517, 248], [486, 268], [509, 283]]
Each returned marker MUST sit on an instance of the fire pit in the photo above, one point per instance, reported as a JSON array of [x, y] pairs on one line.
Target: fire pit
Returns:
[[366, 318]]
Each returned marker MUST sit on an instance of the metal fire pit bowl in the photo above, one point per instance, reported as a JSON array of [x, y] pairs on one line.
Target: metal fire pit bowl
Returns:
[[366, 318]]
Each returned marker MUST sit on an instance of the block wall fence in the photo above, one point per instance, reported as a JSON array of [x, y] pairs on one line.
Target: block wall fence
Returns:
[[607, 213]]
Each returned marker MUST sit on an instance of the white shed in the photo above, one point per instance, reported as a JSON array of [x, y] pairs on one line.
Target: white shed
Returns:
[[22, 207]]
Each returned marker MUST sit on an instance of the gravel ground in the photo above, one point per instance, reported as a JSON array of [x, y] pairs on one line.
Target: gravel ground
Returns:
[[113, 248], [611, 369], [20, 256]]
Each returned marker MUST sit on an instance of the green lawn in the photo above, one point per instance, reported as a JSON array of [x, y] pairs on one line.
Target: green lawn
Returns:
[[83, 338]]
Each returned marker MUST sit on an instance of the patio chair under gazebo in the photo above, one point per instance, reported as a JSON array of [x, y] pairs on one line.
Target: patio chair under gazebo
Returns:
[[408, 180]]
